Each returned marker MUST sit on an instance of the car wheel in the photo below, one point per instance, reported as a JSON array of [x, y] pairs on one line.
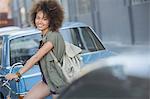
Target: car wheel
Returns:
[[1, 95], [3, 92]]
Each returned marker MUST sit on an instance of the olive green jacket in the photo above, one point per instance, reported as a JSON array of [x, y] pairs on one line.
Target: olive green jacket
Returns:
[[51, 71]]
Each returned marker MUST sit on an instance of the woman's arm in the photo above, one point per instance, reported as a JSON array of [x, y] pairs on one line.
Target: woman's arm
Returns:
[[34, 59]]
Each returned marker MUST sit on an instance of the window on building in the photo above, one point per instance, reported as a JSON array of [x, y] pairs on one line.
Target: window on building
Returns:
[[84, 6], [1, 42]]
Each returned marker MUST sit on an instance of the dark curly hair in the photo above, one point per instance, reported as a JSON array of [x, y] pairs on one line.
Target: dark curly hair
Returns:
[[53, 11]]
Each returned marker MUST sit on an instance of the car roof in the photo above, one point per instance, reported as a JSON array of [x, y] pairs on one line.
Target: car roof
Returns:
[[32, 30], [72, 25], [9, 28], [21, 32]]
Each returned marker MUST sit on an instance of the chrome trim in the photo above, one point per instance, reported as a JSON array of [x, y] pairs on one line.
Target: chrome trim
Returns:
[[23, 93], [31, 75]]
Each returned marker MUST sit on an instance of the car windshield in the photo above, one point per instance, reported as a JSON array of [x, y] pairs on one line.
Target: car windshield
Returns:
[[1, 41]]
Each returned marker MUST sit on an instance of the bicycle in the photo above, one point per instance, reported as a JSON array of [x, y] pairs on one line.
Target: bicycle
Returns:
[[6, 91]]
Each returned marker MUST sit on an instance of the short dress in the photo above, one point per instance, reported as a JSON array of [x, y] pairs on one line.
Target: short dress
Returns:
[[51, 72]]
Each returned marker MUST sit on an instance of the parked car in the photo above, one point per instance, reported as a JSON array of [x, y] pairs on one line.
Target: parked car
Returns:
[[125, 76], [20, 45], [8, 28]]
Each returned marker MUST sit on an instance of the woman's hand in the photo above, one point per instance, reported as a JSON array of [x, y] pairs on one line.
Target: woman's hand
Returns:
[[11, 76]]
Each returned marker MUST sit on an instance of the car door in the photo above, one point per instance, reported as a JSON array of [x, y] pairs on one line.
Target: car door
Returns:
[[86, 39], [21, 49]]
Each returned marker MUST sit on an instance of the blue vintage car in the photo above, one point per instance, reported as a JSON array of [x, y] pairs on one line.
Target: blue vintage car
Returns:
[[18, 46]]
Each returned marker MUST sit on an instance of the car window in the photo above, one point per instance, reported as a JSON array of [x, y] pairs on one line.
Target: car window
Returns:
[[1, 41], [72, 36], [92, 42], [23, 48]]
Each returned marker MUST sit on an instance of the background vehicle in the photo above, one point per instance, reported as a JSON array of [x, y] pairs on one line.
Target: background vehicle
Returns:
[[20, 45], [9, 28]]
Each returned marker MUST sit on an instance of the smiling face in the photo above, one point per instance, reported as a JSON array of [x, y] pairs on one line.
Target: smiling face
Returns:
[[42, 22]]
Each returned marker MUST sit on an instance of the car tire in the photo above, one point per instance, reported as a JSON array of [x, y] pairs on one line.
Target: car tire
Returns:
[[1, 95], [3, 92]]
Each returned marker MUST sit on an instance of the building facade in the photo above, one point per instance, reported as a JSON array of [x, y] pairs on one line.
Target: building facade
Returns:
[[121, 21], [5, 13]]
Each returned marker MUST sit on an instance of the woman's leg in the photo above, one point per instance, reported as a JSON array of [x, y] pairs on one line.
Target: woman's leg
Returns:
[[39, 91]]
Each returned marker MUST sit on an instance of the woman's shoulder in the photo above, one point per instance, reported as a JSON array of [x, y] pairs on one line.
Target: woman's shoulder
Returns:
[[53, 34]]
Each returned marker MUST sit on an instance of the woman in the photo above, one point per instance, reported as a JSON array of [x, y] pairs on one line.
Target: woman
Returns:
[[47, 16]]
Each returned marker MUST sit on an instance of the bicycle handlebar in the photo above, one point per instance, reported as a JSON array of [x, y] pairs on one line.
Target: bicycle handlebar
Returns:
[[5, 82], [10, 71]]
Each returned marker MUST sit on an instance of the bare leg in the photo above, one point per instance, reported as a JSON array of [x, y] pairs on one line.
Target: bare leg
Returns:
[[39, 91]]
